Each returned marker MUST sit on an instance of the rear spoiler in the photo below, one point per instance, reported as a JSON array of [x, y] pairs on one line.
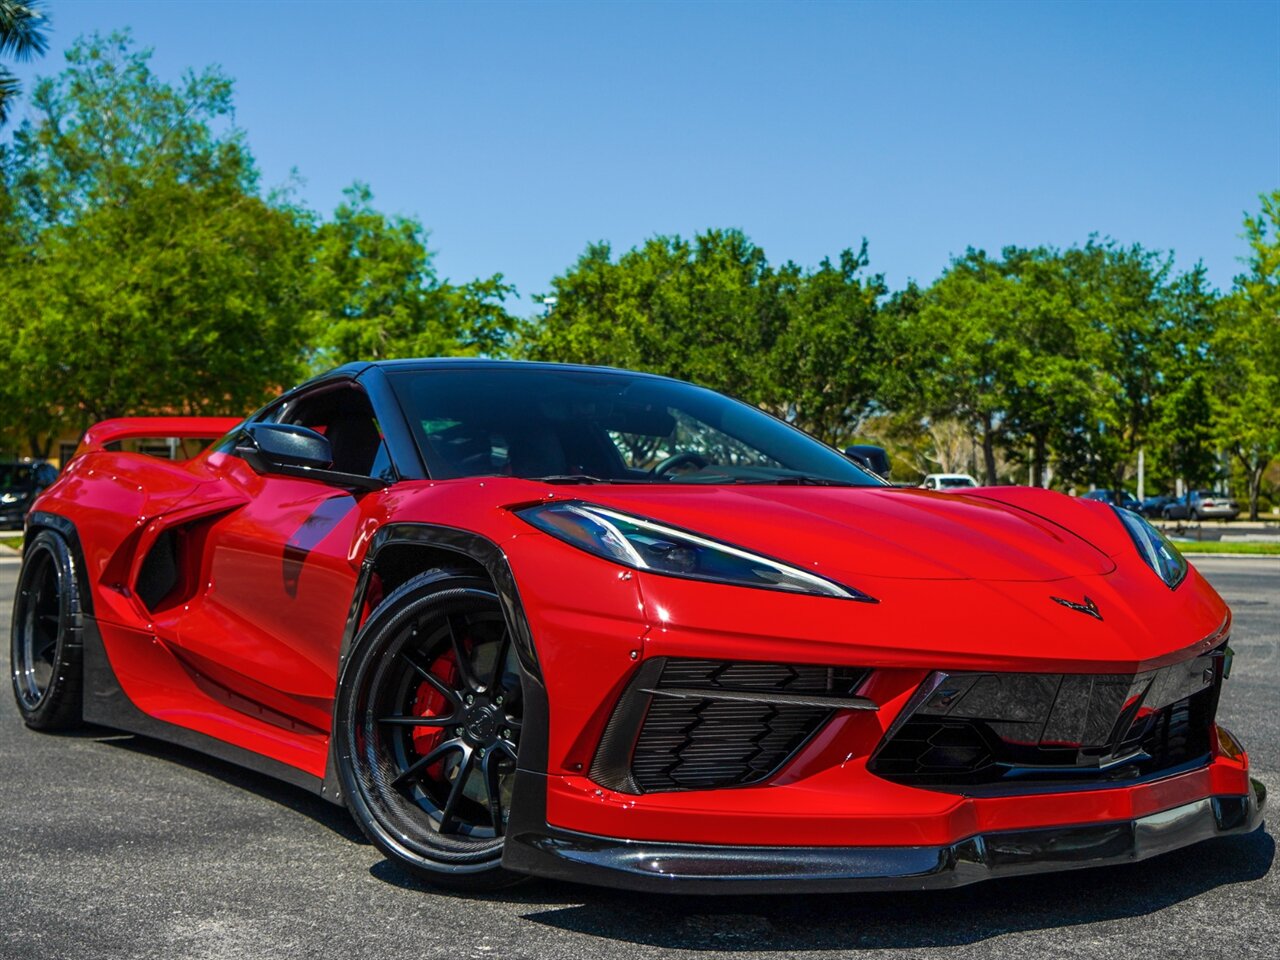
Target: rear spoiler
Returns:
[[107, 432]]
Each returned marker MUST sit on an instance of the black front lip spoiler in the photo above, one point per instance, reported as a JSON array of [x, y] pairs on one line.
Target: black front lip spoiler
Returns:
[[691, 868]]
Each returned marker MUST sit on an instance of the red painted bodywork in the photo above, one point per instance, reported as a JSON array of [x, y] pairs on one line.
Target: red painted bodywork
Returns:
[[246, 648]]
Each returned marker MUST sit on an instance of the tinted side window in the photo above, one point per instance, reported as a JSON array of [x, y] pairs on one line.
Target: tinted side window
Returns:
[[344, 415]]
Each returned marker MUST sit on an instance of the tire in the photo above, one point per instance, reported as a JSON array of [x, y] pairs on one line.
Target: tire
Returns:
[[45, 652], [427, 727]]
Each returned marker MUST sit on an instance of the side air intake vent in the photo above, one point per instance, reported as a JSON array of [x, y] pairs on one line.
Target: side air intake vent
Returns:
[[703, 724], [169, 574], [159, 573]]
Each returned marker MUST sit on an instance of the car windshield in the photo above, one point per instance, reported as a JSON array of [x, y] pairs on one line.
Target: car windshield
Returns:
[[14, 476], [591, 426], [955, 482]]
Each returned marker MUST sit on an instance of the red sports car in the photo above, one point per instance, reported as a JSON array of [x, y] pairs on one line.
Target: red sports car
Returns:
[[606, 626]]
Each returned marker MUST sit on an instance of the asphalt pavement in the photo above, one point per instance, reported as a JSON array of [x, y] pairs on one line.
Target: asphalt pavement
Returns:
[[118, 846]]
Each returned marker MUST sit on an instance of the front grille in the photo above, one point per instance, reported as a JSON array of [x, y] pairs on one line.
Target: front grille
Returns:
[[1013, 731], [686, 724]]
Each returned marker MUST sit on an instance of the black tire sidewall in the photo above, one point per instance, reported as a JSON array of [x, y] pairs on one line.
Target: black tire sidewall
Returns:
[[407, 602], [60, 707]]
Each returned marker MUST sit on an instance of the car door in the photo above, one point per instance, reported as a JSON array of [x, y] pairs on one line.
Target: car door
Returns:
[[278, 564]]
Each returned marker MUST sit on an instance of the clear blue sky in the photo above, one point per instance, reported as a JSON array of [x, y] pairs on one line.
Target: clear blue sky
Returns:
[[519, 132]]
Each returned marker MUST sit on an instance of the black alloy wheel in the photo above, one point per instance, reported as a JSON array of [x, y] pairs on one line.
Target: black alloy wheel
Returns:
[[45, 650], [429, 713]]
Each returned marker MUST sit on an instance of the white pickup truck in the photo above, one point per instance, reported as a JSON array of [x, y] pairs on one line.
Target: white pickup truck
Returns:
[[948, 481]]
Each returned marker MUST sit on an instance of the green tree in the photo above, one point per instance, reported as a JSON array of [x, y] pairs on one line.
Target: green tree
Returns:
[[184, 300], [958, 351], [1060, 359], [374, 293], [688, 309], [1246, 403], [107, 126], [1188, 444], [802, 344], [823, 367], [1052, 376], [22, 36], [149, 274]]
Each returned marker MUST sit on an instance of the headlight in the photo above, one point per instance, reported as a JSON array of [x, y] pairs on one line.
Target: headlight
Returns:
[[647, 545], [1156, 549], [11, 497]]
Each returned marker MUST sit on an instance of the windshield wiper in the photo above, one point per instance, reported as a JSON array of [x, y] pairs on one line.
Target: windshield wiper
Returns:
[[795, 480], [573, 478]]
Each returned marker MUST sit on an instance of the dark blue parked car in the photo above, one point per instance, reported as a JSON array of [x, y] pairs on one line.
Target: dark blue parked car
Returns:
[[1117, 498], [20, 484]]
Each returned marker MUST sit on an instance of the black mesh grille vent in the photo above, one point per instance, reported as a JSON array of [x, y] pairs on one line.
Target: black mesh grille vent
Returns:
[[984, 733], [690, 738]]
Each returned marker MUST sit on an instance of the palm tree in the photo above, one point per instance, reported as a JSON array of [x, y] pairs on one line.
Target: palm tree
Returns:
[[22, 35]]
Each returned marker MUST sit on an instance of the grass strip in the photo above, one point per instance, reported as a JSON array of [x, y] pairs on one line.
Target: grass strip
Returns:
[[1214, 546]]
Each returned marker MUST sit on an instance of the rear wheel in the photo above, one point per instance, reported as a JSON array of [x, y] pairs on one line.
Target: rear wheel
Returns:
[[45, 652], [429, 715]]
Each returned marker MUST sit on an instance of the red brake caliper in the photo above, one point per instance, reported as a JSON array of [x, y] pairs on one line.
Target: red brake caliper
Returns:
[[430, 702]]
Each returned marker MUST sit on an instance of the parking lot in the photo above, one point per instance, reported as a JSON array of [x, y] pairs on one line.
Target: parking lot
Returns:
[[117, 846]]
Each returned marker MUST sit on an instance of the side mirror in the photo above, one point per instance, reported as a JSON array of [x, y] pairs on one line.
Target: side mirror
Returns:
[[292, 451], [871, 457], [278, 447]]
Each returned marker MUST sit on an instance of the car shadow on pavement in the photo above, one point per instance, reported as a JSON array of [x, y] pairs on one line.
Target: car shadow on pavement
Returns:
[[897, 920], [287, 795], [798, 922]]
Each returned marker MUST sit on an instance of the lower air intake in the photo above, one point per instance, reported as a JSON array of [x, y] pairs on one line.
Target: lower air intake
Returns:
[[704, 724], [983, 733]]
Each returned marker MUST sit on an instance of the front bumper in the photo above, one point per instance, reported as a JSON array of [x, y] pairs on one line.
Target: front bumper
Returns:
[[692, 868]]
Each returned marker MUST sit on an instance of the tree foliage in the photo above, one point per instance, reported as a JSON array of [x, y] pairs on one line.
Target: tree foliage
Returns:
[[1065, 363], [146, 271], [800, 343], [1245, 406], [149, 274], [23, 35], [374, 293]]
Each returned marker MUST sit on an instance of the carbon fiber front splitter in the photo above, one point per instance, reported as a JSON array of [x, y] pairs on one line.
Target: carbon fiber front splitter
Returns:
[[691, 868]]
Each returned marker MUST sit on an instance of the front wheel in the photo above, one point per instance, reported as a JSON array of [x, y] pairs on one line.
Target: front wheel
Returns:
[[428, 728]]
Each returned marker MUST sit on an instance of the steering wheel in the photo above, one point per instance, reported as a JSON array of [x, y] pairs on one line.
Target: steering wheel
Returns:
[[679, 460]]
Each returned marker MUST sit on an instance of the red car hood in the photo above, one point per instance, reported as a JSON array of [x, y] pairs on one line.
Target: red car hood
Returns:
[[873, 531]]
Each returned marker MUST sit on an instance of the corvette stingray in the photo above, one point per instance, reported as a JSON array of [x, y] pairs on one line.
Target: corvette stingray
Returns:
[[583, 623]]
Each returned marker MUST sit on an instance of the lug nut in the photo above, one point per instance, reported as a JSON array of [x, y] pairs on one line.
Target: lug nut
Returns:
[[457, 731], [482, 752], [498, 700], [470, 699]]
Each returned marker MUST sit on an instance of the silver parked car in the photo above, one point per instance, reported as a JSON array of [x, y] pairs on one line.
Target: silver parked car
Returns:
[[1201, 505]]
